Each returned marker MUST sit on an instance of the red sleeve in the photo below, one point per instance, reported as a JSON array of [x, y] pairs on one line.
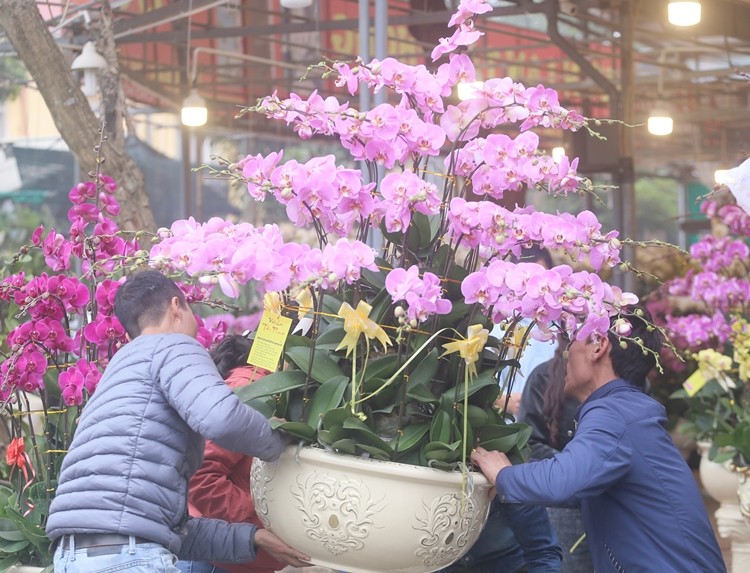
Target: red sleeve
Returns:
[[221, 486]]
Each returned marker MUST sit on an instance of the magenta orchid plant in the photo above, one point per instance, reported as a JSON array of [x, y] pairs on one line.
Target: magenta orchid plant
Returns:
[[54, 356], [433, 177], [707, 318]]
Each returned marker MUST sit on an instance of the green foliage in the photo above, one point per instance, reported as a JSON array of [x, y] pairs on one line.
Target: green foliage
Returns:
[[12, 75], [404, 405]]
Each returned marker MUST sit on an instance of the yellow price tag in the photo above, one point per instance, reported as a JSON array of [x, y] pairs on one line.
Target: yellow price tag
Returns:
[[269, 340], [695, 382]]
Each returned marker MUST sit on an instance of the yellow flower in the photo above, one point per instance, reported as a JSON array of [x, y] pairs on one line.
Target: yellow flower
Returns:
[[272, 302], [713, 359], [356, 322], [471, 347]]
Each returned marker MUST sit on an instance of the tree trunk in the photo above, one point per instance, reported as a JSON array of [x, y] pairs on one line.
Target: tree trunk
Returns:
[[76, 122]]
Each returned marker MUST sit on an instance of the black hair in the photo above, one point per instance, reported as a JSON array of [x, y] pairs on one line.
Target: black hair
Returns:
[[553, 404], [230, 353], [536, 253], [143, 300], [633, 356]]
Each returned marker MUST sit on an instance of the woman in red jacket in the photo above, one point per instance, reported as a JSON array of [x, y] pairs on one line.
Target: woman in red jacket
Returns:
[[221, 486]]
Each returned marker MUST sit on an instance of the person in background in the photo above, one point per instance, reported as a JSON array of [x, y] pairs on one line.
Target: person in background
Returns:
[[550, 413], [220, 488], [534, 353], [641, 506], [121, 501]]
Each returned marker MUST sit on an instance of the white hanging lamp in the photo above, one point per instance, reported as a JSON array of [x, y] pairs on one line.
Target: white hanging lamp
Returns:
[[292, 4], [660, 120], [684, 12], [194, 112], [89, 62]]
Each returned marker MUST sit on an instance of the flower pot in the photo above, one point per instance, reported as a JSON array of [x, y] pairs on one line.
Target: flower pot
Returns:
[[24, 569], [725, 486], [719, 481], [369, 516]]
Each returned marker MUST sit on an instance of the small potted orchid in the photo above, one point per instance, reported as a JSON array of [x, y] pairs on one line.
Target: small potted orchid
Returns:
[[389, 360]]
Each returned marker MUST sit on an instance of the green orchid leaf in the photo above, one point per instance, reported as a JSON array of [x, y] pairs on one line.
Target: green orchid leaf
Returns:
[[478, 417], [421, 393], [330, 305], [425, 371], [345, 446], [482, 380], [327, 397], [11, 534], [331, 337], [294, 340], [15, 546], [440, 431], [8, 562], [411, 436], [380, 305], [274, 383], [297, 429], [499, 444], [382, 367], [335, 417], [332, 436], [382, 399], [323, 366], [375, 452], [363, 434]]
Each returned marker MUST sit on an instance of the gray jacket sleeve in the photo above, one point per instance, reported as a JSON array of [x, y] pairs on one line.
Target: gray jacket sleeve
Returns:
[[193, 387], [215, 540]]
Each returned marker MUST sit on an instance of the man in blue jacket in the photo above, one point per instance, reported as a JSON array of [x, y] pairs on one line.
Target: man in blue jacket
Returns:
[[121, 502], [641, 507]]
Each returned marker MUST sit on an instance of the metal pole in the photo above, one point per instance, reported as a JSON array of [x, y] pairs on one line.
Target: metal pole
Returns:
[[627, 168], [381, 39], [364, 48]]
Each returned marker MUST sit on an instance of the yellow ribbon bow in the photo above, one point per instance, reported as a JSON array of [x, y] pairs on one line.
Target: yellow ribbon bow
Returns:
[[469, 348], [305, 301], [272, 302], [356, 322]]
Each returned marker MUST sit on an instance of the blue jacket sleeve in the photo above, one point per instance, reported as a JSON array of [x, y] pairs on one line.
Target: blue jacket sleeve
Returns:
[[192, 386], [215, 540], [597, 457]]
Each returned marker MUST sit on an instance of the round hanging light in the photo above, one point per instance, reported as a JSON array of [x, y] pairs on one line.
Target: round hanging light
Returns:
[[684, 12], [194, 112]]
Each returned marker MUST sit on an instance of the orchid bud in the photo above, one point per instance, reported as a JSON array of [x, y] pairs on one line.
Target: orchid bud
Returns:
[[622, 327], [398, 312]]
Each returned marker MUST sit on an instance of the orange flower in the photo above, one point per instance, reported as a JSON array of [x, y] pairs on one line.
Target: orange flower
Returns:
[[15, 455]]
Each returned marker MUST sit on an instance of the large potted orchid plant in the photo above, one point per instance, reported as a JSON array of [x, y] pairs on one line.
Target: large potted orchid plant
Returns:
[[403, 314], [708, 322], [389, 361]]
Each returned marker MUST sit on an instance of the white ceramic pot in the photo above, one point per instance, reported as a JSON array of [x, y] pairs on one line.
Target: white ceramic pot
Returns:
[[369, 516], [24, 569], [719, 481]]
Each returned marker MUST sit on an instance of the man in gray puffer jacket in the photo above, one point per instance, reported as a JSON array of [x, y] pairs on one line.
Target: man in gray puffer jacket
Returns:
[[121, 501]]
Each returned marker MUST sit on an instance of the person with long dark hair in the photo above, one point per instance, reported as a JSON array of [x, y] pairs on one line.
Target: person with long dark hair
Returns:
[[550, 413]]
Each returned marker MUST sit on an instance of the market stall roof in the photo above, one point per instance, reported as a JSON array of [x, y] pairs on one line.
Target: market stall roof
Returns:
[[243, 50]]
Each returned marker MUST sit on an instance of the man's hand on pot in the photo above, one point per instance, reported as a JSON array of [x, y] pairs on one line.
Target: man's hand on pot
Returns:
[[279, 550], [489, 462]]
